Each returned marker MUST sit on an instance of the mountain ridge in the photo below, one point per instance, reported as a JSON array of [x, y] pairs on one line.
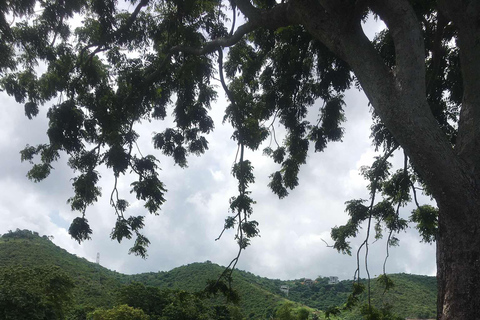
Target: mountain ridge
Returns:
[[260, 296]]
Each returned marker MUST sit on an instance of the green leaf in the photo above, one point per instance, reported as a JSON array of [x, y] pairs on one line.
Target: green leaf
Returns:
[[80, 229]]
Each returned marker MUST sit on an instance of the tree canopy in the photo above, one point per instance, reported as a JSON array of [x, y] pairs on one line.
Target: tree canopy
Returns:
[[133, 61], [34, 293]]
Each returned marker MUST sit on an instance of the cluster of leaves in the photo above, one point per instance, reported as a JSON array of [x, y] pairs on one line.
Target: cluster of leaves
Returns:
[[396, 193], [115, 70], [121, 67], [274, 77], [395, 190]]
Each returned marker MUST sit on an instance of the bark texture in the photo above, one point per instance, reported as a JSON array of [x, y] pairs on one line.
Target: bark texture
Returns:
[[399, 98], [458, 261]]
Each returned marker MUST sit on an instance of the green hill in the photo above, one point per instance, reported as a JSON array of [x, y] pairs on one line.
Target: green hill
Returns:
[[94, 284], [256, 301], [413, 296]]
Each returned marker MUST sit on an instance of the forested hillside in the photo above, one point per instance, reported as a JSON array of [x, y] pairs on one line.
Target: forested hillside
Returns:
[[94, 284], [256, 301], [260, 298]]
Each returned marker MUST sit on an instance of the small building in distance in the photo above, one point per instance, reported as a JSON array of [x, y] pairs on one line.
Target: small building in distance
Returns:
[[332, 280], [308, 282], [284, 288]]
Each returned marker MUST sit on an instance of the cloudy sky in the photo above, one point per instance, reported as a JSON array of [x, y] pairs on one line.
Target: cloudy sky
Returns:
[[292, 229]]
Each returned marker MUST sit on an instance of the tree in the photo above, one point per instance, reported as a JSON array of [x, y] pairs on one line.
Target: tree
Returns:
[[421, 76], [284, 312], [34, 293], [169, 304], [302, 314], [122, 312]]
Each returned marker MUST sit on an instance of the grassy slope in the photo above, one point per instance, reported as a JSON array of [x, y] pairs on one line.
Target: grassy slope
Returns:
[[412, 295], [94, 285]]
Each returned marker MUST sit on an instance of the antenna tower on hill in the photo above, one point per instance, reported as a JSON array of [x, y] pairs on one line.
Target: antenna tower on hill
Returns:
[[97, 267]]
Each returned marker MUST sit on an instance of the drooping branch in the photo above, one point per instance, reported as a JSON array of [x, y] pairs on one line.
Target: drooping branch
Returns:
[[374, 188], [406, 180]]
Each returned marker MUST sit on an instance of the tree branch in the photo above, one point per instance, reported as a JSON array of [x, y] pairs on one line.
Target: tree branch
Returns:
[[404, 27], [222, 79], [248, 9], [465, 16], [215, 44], [437, 51], [278, 16], [133, 16], [398, 96]]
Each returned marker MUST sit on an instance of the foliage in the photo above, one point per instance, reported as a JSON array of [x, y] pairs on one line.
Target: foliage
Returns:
[[371, 313], [254, 299], [94, 284], [151, 300], [302, 314], [34, 293], [286, 312], [426, 218], [164, 304], [103, 97], [122, 312]]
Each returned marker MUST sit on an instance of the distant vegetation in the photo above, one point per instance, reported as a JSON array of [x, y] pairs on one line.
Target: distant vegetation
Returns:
[[94, 292]]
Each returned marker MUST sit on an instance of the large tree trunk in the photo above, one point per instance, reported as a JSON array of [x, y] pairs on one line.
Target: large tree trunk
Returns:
[[458, 245], [458, 261], [399, 98]]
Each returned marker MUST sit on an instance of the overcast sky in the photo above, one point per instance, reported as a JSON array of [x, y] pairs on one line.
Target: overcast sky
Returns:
[[292, 229]]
